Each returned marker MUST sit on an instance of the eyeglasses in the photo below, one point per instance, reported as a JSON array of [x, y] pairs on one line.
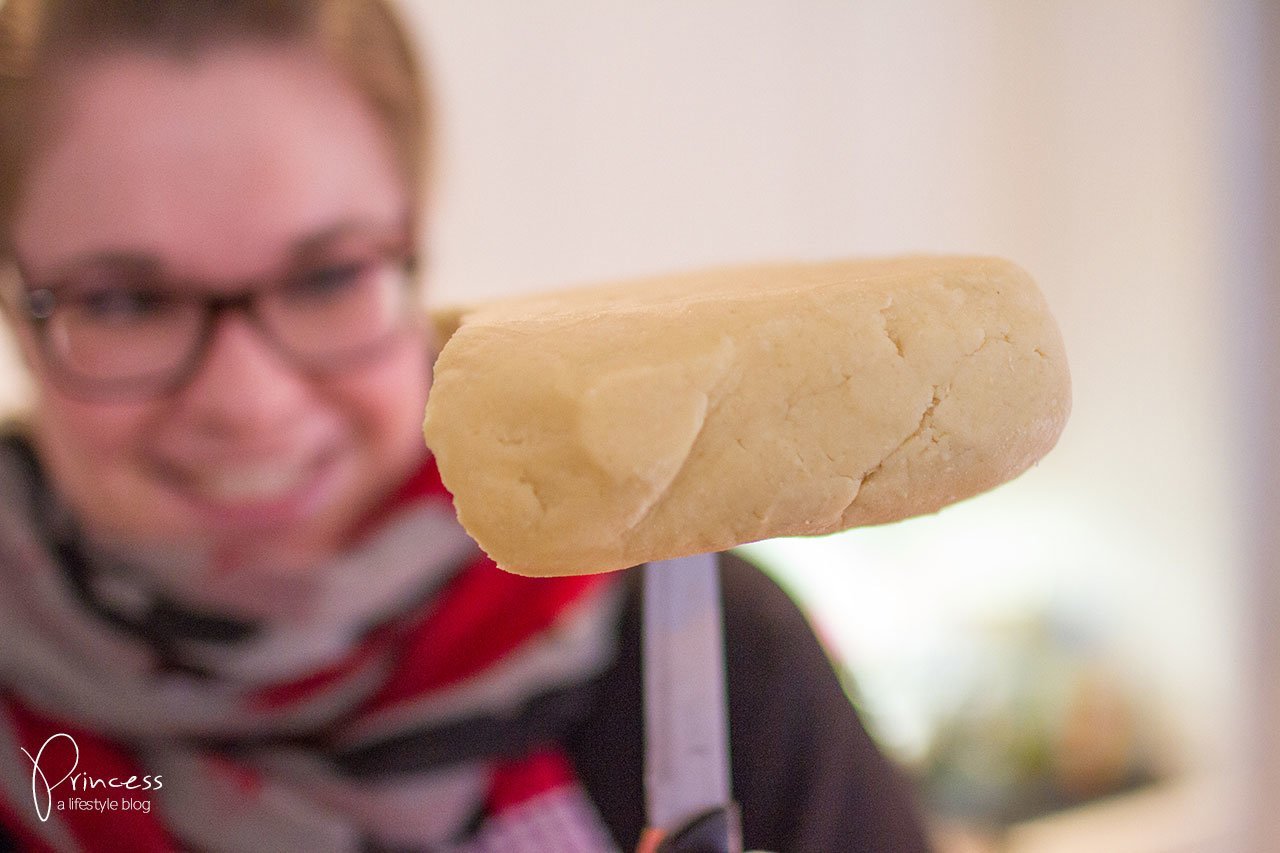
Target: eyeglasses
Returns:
[[127, 335]]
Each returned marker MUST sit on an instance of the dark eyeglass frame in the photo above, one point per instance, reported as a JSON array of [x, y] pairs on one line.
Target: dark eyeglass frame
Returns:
[[38, 304]]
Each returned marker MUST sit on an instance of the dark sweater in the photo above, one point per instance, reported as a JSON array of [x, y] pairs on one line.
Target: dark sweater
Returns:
[[807, 776]]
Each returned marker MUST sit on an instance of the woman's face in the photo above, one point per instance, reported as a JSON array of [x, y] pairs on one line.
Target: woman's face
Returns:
[[216, 170]]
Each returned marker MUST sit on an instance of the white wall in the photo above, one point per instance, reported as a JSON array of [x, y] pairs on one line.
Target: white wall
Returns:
[[1079, 137]]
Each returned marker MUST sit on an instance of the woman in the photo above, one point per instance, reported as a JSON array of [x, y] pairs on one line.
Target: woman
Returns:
[[238, 611]]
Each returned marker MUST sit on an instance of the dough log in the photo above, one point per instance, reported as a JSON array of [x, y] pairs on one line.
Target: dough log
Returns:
[[602, 428]]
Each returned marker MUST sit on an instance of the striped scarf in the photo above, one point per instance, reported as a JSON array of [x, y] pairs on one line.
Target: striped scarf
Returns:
[[409, 696]]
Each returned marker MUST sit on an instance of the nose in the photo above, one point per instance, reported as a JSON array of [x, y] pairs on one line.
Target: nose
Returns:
[[243, 386]]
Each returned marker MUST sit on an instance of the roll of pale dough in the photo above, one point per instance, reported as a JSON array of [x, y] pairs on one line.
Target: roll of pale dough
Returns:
[[607, 427]]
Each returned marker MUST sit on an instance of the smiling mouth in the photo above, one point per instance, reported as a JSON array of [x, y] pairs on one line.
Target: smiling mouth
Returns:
[[266, 491], [241, 485]]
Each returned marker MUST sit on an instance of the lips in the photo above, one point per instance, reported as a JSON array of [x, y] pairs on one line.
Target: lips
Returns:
[[259, 493], [249, 483]]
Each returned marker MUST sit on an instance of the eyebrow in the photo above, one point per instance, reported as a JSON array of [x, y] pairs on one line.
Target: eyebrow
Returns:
[[301, 249], [114, 260], [315, 243]]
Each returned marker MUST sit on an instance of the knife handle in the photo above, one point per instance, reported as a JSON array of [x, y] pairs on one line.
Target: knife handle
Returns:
[[715, 831]]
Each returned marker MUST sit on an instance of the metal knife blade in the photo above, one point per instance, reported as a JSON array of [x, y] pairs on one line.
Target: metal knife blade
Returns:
[[686, 716]]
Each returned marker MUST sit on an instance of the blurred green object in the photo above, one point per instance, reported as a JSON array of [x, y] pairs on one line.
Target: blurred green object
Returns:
[[1039, 722]]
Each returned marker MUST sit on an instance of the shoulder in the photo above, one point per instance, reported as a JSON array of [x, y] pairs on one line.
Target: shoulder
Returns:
[[760, 616], [805, 771]]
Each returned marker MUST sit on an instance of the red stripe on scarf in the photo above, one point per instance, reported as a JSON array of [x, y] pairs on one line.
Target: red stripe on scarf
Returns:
[[516, 782], [131, 830], [483, 615], [282, 695]]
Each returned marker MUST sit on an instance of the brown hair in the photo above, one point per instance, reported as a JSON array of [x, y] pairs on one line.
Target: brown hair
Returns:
[[363, 38]]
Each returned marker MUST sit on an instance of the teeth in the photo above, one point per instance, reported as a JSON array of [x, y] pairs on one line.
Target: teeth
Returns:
[[249, 483]]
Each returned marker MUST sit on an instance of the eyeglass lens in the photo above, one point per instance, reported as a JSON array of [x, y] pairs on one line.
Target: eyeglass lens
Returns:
[[126, 335]]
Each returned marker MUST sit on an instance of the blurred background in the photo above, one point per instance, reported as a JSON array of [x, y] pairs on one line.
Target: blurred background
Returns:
[[1072, 661]]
